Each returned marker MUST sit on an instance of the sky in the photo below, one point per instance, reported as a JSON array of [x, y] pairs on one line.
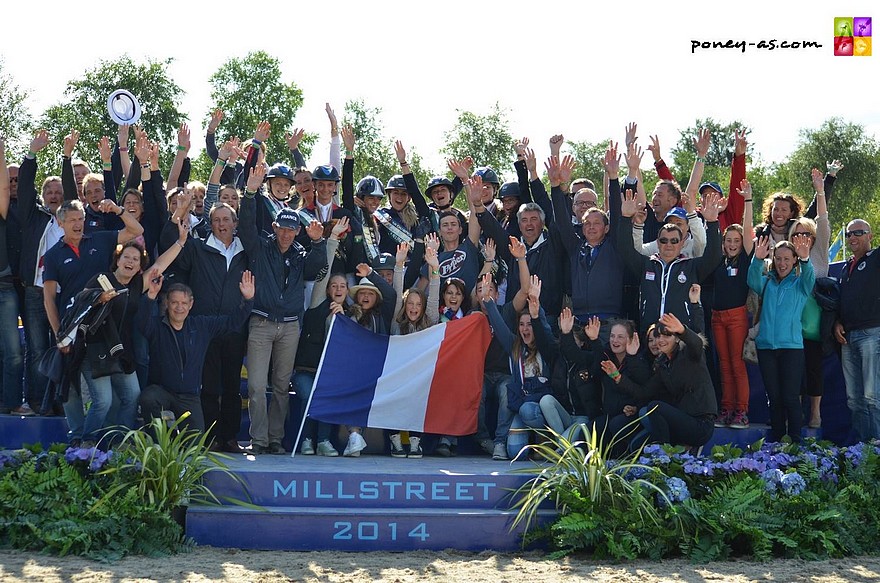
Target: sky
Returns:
[[583, 69]]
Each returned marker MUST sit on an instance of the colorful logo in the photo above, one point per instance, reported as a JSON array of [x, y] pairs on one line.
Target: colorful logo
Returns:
[[852, 36]]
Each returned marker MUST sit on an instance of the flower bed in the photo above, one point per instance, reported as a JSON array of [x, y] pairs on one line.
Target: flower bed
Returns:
[[812, 500]]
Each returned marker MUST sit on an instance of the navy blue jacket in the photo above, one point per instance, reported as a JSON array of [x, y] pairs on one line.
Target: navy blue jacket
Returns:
[[174, 375]]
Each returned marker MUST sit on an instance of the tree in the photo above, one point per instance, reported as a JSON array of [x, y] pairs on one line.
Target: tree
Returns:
[[717, 164], [856, 189], [16, 122], [84, 108], [250, 90], [374, 154], [485, 138]]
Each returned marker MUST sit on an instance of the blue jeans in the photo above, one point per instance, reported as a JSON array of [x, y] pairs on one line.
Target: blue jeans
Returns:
[[121, 388], [517, 438], [10, 348], [557, 418], [860, 358], [37, 339], [303, 383], [495, 384]]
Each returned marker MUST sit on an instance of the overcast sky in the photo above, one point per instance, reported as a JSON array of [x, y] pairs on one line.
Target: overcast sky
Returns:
[[584, 69]]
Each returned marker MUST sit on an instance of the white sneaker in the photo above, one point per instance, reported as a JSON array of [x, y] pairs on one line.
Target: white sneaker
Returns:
[[397, 446], [356, 443], [415, 450], [326, 449], [499, 452], [307, 448]]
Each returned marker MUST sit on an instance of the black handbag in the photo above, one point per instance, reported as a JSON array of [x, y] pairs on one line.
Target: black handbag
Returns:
[[101, 361]]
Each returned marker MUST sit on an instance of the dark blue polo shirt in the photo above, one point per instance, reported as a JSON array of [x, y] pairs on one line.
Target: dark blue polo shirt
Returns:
[[72, 271]]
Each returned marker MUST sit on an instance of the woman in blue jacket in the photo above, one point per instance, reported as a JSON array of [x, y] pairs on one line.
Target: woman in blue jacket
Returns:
[[780, 343]]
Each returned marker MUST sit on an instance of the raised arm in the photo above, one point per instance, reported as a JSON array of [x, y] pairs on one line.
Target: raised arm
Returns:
[[183, 144], [210, 134], [293, 140], [735, 202], [121, 154], [68, 182], [27, 175], [348, 139], [701, 144], [745, 192], [474, 189], [397, 280], [167, 258], [335, 159], [663, 172]]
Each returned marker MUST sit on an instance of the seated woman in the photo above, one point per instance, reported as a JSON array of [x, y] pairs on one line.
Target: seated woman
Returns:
[[681, 405], [605, 365], [532, 353]]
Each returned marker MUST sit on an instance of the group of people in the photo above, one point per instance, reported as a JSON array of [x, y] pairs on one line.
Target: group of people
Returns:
[[610, 311]]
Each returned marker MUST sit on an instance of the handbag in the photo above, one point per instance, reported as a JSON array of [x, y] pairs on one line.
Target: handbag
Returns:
[[750, 349], [102, 362]]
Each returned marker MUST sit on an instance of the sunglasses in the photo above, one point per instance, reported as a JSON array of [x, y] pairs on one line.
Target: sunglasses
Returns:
[[665, 241], [856, 233]]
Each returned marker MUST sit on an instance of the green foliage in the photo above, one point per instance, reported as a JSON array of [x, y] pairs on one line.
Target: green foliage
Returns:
[[165, 464], [49, 505], [856, 189], [16, 122], [720, 151], [485, 138], [84, 108], [250, 90], [374, 153], [603, 509]]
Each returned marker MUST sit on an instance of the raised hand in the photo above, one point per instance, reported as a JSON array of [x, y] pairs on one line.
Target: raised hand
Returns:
[[183, 138], [294, 138], [432, 241], [611, 161], [631, 137], [591, 329], [534, 288], [247, 285], [363, 270], [142, 149], [332, 117], [348, 139], [633, 345], [801, 243], [634, 155], [517, 248], [702, 142], [745, 189], [104, 149], [711, 207], [552, 168], [694, 293], [433, 261], [654, 148], [740, 142], [315, 231], [688, 203], [520, 146], [818, 180], [154, 154], [40, 141], [261, 134], [485, 282], [474, 188], [154, 283], [556, 144], [400, 152], [229, 150], [628, 206], [216, 118], [566, 321], [340, 228], [70, 141], [122, 134], [834, 167], [458, 168], [490, 250], [402, 254], [566, 169], [610, 368], [762, 249], [672, 323], [531, 161], [256, 178]]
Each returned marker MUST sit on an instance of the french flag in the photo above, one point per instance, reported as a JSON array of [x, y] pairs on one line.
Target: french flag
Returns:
[[429, 381]]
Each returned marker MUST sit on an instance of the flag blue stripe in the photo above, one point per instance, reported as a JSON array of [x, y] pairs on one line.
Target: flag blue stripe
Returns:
[[346, 382]]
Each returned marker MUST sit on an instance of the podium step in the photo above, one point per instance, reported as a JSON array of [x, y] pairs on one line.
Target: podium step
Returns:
[[343, 529]]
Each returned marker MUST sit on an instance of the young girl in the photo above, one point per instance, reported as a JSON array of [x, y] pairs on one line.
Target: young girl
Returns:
[[730, 320], [785, 289], [415, 312]]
